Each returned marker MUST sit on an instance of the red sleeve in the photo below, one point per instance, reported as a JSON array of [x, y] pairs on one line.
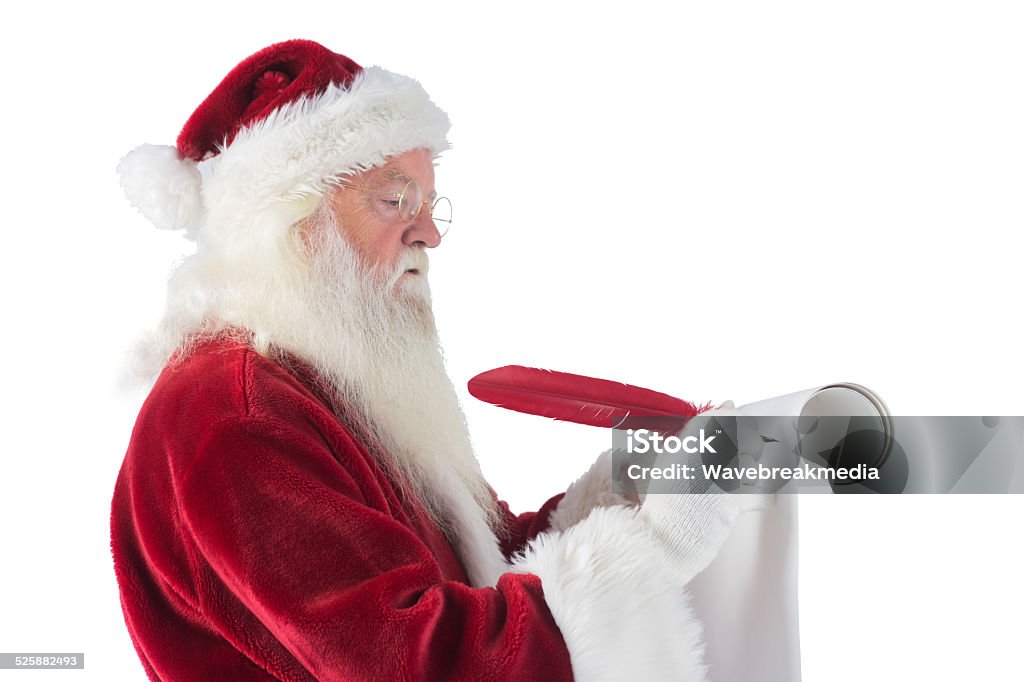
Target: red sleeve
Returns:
[[291, 534], [522, 528]]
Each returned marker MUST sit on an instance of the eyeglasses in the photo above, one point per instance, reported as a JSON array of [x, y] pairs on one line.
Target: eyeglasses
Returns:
[[408, 203]]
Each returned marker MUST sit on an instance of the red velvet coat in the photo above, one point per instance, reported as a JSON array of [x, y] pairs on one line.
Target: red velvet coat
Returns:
[[255, 538]]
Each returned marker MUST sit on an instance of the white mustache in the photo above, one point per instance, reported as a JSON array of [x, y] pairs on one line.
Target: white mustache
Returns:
[[410, 259], [413, 259]]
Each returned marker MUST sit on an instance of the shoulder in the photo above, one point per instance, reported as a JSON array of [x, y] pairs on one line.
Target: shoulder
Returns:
[[229, 378], [224, 404], [222, 382]]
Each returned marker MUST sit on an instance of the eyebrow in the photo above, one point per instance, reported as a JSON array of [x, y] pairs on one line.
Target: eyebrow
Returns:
[[395, 174]]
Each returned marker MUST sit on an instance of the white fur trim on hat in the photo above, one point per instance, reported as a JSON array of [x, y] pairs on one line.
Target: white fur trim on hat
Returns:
[[301, 147], [296, 151]]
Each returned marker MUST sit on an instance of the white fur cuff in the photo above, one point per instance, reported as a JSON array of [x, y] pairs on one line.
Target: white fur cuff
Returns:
[[592, 489], [622, 612]]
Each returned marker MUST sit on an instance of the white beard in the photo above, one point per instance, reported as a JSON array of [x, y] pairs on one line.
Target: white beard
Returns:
[[371, 337]]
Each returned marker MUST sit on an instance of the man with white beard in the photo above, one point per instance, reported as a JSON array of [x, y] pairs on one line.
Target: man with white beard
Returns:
[[299, 499]]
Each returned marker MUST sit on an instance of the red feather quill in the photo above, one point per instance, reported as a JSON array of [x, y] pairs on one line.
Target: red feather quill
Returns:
[[581, 399]]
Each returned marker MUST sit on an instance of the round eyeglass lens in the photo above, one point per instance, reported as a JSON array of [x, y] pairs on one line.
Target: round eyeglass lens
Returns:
[[441, 212], [411, 201]]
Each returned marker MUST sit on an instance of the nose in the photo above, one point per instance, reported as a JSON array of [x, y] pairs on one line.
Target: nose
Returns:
[[423, 231]]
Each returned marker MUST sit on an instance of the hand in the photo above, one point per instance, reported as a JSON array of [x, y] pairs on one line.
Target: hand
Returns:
[[691, 518]]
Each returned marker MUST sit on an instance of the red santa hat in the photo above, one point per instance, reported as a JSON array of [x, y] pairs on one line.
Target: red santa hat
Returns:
[[278, 128]]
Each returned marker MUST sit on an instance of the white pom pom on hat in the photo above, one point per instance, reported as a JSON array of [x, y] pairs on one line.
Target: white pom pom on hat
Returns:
[[164, 187], [278, 127]]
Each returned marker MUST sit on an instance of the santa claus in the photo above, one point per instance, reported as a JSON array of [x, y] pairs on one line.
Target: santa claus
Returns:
[[299, 499]]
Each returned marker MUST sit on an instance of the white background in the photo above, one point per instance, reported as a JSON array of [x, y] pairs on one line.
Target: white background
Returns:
[[720, 200]]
